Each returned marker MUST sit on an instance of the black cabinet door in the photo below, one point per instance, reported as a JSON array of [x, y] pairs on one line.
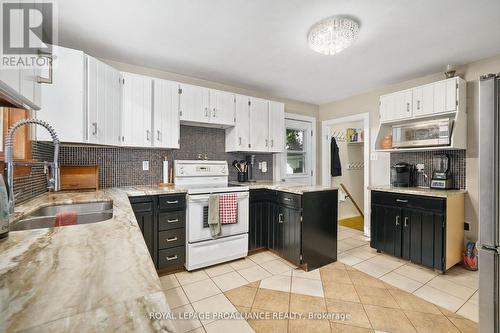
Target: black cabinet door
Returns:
[[391, 224], [257, 233], [146, 223], [423, 237], [291, 234], [278, 236]]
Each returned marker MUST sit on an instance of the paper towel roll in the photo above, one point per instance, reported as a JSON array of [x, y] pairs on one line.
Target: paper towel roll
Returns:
[[165, 171]]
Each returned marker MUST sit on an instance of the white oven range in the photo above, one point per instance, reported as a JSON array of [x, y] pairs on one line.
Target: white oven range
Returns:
[[201, 179]]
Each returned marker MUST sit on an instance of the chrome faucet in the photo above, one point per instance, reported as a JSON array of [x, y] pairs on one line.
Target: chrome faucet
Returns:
[[54, 181]]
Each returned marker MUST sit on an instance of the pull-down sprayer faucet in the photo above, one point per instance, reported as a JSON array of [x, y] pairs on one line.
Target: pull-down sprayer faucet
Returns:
[[54, 181]]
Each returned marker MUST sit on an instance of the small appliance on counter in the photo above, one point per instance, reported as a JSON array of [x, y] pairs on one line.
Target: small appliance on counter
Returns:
[[402, 174], [441, 175]]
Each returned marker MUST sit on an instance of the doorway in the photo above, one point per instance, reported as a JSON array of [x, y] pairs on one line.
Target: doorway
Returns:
[[351, 135]]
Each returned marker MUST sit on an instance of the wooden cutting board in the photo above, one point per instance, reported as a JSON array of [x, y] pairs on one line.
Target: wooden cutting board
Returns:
[[80, 177]]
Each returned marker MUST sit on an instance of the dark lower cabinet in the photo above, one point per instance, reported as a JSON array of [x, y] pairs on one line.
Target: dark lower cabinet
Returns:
[[300, 228], [410, 227], [162, 223], [144, 211]]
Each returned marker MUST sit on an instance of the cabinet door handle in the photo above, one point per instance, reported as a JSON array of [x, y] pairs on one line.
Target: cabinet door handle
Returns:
[[171, 258], [239, 140], [148, 135], [94, 132], [171, 239], [272, 143], [397, 220], [206, 112], [267, 143], [402, 201], [280, 218], [214, 112], [418, 105], [407, 107], [158, 135], [173, 221], [406, 222], [173, 202]]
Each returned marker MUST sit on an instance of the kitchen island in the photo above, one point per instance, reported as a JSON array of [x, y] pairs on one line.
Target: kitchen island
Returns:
[[85, 278], [298, 222]]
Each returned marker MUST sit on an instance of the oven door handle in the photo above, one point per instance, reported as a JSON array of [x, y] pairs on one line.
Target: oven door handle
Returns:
[[204, 198]]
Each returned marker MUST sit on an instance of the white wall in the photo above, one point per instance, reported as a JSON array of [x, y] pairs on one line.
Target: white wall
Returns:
[[368, 102]]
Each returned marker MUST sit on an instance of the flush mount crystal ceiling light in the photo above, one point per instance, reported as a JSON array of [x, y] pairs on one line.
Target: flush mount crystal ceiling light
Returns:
[[333, 34]]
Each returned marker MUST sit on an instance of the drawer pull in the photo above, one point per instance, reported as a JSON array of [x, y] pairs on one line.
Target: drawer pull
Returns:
[[402, 201], [397, 220], [172, 239], [406, 222], [287, 199], [171, 258], [173, 221], [280, 218], [173, 202]]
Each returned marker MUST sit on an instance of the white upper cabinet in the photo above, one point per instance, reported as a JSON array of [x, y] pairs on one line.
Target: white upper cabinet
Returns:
[[276, 127], [103, 103], [259, 125], [136, 110], [194, 104], [422, 101], [238, 137], [166, 127], [63, 103], [396, 106], [222, 108], [206, 107]]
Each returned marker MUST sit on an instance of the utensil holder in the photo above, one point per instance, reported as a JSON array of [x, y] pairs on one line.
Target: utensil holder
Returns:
[[242, 176]]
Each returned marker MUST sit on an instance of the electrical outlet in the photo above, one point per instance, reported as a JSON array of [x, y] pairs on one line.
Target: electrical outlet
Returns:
[[466, 226], [145, 165], [264, 166]]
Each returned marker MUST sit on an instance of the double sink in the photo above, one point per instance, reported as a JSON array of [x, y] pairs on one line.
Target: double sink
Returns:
[[45, 217]]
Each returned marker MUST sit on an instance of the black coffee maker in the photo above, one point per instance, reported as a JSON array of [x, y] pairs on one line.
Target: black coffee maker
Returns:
[[402, 174]]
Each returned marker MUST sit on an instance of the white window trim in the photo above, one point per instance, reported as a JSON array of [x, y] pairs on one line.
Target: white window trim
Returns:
[[277, 158]]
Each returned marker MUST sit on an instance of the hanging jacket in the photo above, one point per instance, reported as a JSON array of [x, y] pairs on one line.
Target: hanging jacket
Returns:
[[336, 168]]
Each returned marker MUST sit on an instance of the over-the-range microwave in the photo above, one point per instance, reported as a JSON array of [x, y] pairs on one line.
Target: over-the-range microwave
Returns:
[[423, 134]]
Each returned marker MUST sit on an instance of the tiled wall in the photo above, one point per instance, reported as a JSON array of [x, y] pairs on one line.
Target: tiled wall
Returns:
[[123, 166], [457, 165]]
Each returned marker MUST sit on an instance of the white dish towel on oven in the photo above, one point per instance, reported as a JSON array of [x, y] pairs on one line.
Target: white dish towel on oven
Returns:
[[214, 216]]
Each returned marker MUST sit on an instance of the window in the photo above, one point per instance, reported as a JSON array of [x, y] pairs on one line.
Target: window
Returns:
[[295, 154], [296, 162]]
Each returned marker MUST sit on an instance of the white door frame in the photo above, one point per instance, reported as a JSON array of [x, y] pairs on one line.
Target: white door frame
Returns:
[[277, 158], [325, 158]]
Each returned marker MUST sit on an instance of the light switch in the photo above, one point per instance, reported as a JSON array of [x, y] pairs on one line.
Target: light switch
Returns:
[[145, 165]]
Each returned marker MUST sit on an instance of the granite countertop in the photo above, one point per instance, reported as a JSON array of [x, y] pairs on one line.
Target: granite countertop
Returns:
[[418, 191], [86, 278], [285, 187]]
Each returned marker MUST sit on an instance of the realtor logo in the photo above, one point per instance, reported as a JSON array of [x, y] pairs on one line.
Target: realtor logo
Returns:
[[28, 31]]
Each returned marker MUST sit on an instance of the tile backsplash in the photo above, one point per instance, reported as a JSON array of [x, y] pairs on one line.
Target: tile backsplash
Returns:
[[121, 166], [457, 165]]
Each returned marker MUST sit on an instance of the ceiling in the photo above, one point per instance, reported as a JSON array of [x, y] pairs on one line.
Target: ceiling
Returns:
[[261, 44]]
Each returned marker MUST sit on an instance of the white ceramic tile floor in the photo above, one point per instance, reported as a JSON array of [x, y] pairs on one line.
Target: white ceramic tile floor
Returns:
[[203, 289], [456, 290]]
